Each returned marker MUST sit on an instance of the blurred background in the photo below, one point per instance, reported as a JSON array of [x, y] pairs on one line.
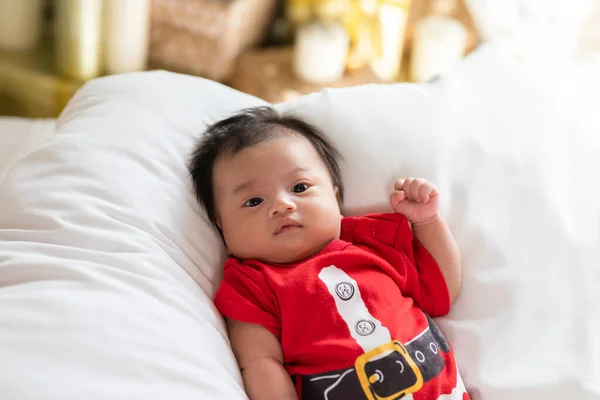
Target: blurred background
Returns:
[[273, 49]]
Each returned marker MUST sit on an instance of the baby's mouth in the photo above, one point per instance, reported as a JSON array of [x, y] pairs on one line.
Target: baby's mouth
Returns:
[[286, 225]]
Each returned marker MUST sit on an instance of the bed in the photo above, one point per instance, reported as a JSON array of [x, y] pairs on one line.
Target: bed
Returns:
[[108, 266]]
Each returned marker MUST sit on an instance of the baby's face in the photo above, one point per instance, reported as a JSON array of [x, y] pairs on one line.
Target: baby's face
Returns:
[[275, 202]]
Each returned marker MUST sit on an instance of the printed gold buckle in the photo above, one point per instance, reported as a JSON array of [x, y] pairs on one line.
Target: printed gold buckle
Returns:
[[366, 381]]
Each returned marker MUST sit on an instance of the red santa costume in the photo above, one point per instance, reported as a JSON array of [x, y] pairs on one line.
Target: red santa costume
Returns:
[[353, 320]]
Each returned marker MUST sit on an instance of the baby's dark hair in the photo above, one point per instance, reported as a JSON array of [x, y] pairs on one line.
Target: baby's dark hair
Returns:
[[246, 129]]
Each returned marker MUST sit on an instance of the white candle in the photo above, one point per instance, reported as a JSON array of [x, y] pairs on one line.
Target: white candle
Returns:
[[387, 61], [78, 38], [127, 31], [320, 52], [20, 24], [439, 42]]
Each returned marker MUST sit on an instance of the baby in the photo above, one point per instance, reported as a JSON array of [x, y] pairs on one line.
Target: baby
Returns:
[[321, 306]]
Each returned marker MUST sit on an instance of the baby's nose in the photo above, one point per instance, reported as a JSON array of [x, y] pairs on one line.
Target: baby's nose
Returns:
[[282, 204]]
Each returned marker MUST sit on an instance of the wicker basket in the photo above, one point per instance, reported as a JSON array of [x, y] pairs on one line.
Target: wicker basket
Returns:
[[205, 37]]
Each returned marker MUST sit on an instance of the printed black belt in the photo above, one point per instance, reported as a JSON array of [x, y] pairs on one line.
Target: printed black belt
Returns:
[[390, 371]]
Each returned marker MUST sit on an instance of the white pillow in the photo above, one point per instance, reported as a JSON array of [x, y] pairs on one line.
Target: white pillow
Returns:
[[20, 136], [107, 265]]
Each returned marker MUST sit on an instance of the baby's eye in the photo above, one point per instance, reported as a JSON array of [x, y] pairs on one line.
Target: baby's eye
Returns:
[[299, 188], [253, 202]]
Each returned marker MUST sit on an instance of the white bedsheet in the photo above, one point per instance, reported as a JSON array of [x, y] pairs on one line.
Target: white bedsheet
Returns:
[[20, 136]]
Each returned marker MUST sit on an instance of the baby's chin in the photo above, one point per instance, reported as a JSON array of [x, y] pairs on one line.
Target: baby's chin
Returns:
[[292, 255]]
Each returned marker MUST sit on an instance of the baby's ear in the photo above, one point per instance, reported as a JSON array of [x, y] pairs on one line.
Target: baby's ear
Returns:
[[219, 229], [336, 190]]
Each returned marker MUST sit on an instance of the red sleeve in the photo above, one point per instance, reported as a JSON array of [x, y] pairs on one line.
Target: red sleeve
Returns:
[[245, 296], [390, 237]]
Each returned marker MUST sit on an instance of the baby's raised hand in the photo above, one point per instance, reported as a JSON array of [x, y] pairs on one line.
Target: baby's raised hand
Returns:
[[416, 199]]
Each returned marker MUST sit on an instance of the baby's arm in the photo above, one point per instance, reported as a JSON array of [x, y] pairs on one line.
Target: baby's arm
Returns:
[[260, 357], [436, 237], [418, 200]]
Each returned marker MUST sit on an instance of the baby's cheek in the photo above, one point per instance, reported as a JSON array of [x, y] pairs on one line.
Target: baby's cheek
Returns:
[[241, 245], [331, 223], [252, 233], [235, 235]]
